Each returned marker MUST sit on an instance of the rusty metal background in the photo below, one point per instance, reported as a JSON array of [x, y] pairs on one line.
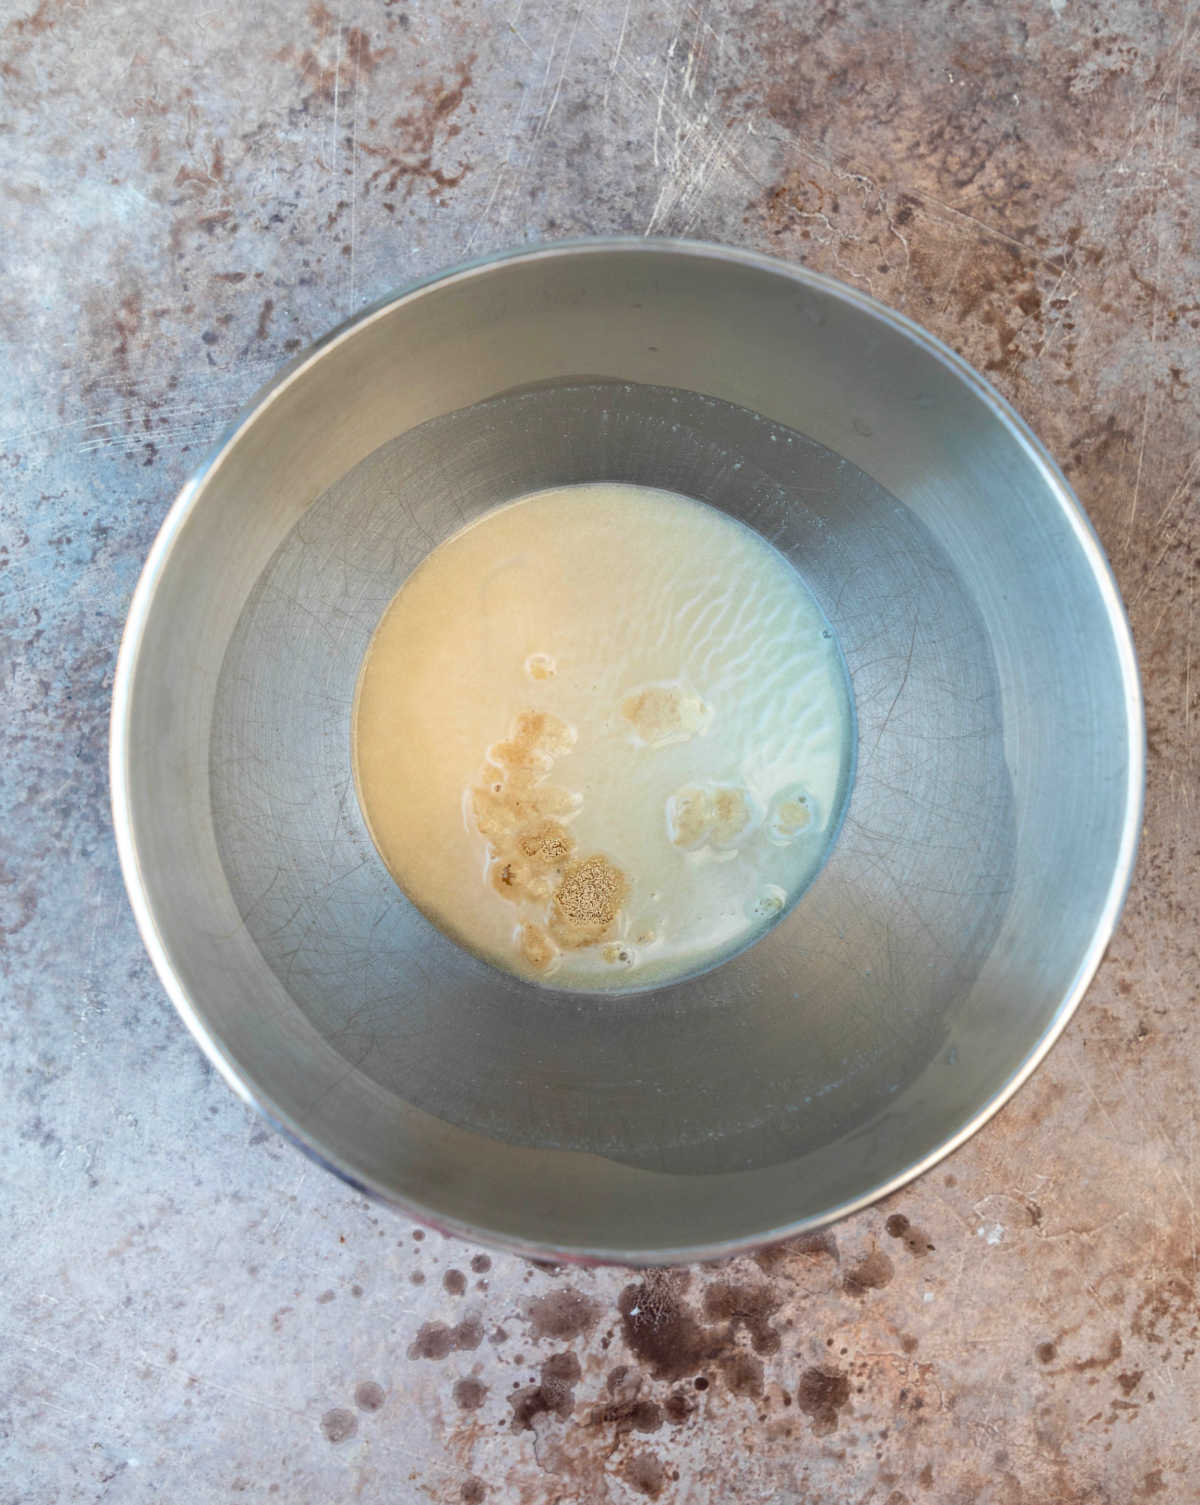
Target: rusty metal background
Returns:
[[191, 1312]]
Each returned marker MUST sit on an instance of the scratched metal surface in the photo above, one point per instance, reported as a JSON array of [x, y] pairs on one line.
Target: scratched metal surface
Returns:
[[192, 1312]]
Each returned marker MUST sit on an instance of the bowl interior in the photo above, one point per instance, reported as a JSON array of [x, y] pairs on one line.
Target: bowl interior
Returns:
[[985, 843]]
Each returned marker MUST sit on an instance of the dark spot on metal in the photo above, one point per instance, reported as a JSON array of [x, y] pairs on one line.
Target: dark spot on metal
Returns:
[[1166, 1311], [553, 1395], [662, 1330], [871, 1273], [562, 1315], [627, 1410], [915, 1240], [925, 1477], [339, 1424], [481, 1264], [470, 1333], [470, 1394], [821, 1394], [473, 1491], [807, 1245], [1100, 1361], [1046, 1353], [435, 1340], [324, 1297], [645, 1473], [679, 1406], [417, 1277], [407, 157], [742, 1372], [455, 1282], [369, 1396], [745, 1306]]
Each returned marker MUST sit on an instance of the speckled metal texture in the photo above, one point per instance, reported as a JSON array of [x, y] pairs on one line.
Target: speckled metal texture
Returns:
[[191, 1311]]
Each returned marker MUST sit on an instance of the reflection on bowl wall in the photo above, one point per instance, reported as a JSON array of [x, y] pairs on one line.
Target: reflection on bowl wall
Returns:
[[990, 827]]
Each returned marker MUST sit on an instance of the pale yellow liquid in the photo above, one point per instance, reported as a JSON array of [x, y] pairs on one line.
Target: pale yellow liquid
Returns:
[[599, 736]]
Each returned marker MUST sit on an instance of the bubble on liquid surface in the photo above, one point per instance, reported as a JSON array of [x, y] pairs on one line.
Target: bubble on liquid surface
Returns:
[[541, 666], [792, 813], [769, 903]]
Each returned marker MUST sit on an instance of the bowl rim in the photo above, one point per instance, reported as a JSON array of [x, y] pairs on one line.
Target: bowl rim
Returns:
[[188, 497]]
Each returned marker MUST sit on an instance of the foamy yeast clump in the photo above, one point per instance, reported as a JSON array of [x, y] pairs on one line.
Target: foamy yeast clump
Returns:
[[662, 714], [716, 815], [531, 858], [601, 736]]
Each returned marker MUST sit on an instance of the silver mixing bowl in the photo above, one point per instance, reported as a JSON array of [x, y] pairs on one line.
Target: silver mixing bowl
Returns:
[[990, 830]]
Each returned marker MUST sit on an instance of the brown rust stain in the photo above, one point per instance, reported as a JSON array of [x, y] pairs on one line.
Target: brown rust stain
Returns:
[[664, 1331], [645, 1474], [1129, 1380], [418, 134], [915, 1240], [1167, 1314], [264, 319], [341, 58], [369, 1395], [470, 1393], [553, 1395], [1100, 1361], [37, 22], [993, 121], [20, 34], [807, 1247], [562, 1315], [821, 1393], [871, 1273], [437, 1340], [680, 1406], [745, 1306], [339, 1425], [742, 1372], [626, 1409]]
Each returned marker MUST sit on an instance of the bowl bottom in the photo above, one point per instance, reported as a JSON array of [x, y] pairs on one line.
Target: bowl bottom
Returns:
[[783, 1049]]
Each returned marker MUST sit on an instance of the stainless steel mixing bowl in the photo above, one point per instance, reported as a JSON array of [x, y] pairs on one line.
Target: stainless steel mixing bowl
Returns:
[[990, 830]]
